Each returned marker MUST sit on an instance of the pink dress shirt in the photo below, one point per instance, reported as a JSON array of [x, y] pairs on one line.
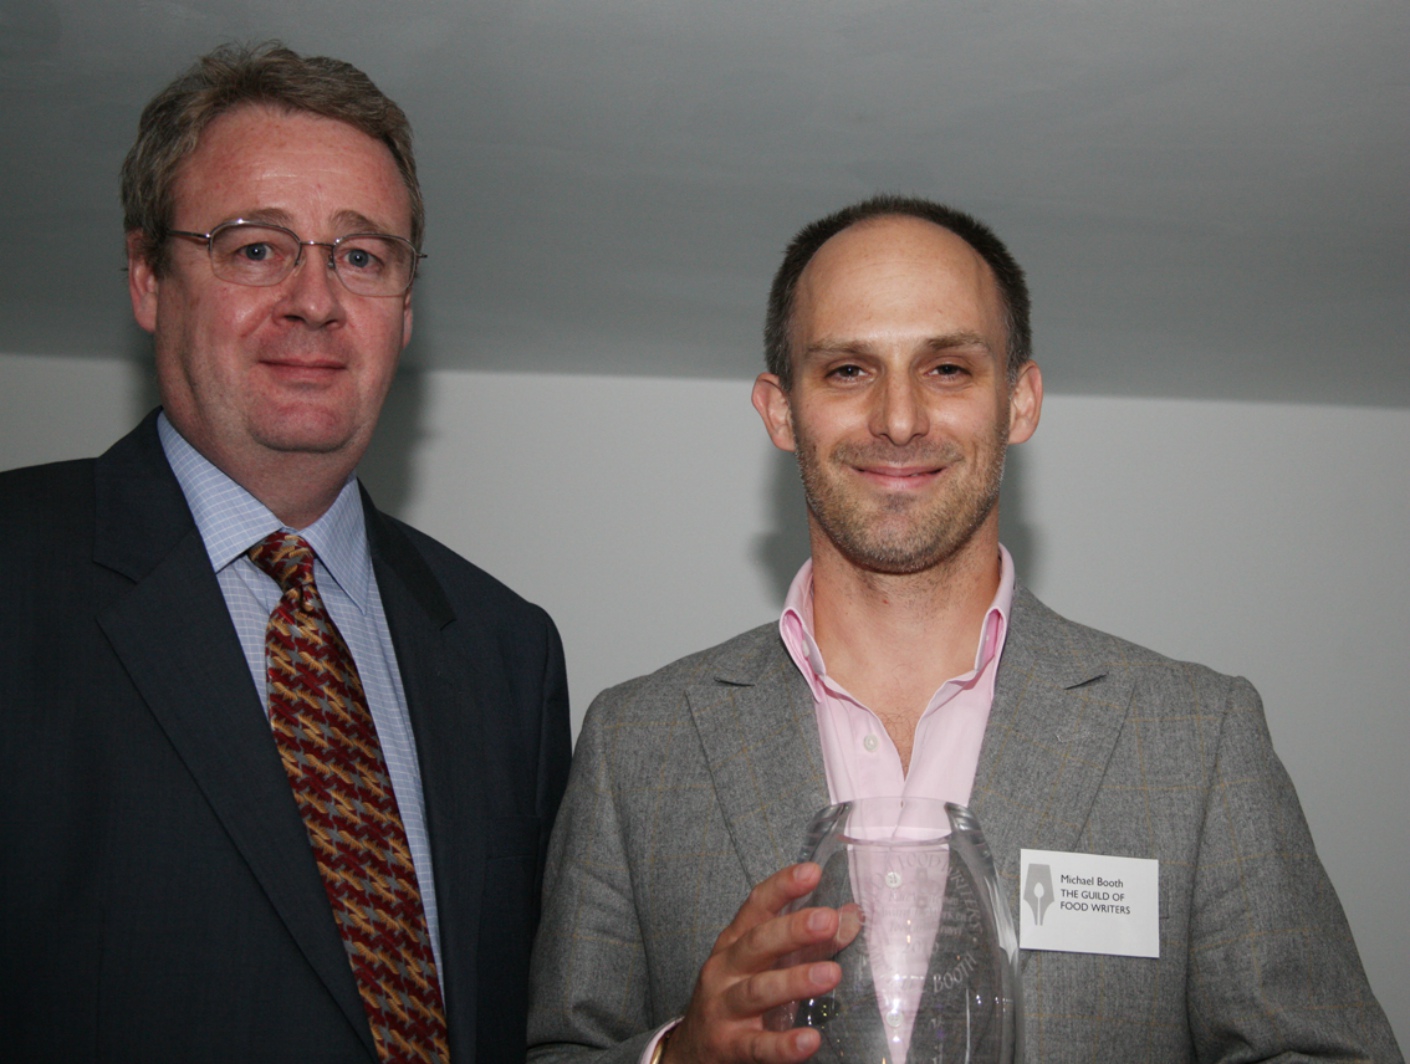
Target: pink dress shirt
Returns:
[[860, 759]]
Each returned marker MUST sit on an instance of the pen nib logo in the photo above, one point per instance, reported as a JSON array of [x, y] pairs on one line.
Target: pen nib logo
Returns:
[[1038, 891]]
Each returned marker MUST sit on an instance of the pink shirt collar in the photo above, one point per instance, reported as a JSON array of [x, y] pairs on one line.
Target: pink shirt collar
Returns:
[[860, 759]]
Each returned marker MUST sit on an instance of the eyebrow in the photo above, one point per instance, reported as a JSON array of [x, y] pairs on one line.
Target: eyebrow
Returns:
[[947, 342], [357, 222], [271, 215], [345, 221]]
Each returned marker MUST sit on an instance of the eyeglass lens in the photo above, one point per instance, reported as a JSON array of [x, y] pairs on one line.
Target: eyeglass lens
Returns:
[[367, 264]]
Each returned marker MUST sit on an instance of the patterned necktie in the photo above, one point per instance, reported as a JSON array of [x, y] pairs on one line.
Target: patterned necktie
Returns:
[[328, 744]]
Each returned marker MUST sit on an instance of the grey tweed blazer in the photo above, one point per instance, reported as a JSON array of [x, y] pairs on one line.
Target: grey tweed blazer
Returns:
[[692, 784]]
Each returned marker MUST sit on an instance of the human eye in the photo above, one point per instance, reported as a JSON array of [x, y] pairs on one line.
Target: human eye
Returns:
[[846, 372], [949, 372], [363, 255], [256, 251], [252, 251]]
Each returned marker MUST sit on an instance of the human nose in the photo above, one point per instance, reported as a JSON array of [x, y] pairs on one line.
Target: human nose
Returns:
[[314, 294], [900, 414]]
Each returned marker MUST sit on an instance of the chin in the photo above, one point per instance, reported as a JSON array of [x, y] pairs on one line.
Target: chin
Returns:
[[897, 561], [305, 435], [912, 548]]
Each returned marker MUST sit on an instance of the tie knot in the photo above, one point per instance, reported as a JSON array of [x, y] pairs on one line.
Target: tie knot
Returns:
[[288, 558]]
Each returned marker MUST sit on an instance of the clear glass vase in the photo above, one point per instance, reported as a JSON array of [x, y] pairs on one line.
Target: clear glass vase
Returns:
[[927, 948]]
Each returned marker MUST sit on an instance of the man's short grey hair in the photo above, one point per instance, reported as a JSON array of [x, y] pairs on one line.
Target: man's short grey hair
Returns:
[[234, 76]]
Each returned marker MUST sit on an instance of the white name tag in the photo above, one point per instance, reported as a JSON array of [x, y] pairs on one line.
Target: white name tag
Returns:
[[1089, 903]]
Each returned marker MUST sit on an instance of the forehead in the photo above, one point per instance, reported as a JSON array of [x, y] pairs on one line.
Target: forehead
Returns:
[[293, 166], [897, 274]]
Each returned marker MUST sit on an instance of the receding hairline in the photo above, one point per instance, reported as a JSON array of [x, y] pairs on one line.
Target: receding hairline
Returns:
[[994, 293], [877, 221], [806, 242]]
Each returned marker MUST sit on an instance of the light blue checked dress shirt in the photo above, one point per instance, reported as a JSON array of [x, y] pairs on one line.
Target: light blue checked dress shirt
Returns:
[[231, 521]]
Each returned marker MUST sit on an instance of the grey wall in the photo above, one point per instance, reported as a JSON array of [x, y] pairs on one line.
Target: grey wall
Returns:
[[651, 517], [1194, 188]]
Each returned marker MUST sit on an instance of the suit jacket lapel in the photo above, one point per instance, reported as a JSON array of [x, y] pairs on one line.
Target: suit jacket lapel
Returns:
[[441, 687], [1054, 723], [173, 633], [760, 738]]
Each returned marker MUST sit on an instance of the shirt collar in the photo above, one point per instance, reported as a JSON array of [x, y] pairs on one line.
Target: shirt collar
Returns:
[[231, 520], [796, 624]]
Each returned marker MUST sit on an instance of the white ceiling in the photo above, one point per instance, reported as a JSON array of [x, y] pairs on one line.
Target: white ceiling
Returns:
[[1210, 196]]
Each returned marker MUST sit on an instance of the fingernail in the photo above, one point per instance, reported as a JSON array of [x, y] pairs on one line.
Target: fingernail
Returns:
[[820, 974], [818, 921]]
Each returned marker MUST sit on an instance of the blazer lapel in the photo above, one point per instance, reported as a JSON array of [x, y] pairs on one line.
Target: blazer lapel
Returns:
[[173, 633], [1054, 723], [441, 688], [760, 738]]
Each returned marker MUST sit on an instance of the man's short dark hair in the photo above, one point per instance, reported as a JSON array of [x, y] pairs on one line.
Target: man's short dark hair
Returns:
[[1013, 289], [233, 76]]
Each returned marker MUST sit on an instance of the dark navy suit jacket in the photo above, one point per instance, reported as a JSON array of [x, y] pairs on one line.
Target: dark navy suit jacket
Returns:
[[158, 899]]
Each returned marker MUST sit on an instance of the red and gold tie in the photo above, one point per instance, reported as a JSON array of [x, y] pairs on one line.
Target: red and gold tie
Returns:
[[334, 762]]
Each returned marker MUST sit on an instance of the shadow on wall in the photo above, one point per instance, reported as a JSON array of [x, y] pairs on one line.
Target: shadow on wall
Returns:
[[388, 469], [1015, 532], [145, 394], [783, 549]]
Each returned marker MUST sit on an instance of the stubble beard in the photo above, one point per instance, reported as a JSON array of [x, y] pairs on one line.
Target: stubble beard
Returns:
[[902, 534]]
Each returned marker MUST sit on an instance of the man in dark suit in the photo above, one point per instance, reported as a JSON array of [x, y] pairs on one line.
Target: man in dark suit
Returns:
[[909, 661], [278, 771]]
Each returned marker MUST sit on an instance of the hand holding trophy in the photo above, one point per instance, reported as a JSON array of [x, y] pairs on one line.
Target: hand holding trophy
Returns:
[[927, 952]]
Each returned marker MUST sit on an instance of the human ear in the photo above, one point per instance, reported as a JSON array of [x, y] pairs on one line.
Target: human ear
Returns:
[[771, 400], [406, 317], [143, 285], [1025, 402]]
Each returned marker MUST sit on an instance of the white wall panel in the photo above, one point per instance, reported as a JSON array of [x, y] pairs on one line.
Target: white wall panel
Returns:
[[652, 518]]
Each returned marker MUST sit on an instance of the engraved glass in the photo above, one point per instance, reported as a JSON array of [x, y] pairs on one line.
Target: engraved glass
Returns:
[[927, 948]]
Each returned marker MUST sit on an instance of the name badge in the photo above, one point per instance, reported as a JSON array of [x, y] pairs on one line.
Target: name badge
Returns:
[[1089, 903]]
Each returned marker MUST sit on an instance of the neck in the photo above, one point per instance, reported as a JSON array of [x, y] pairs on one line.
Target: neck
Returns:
[[893, 639], [297, 487], [299, 492]]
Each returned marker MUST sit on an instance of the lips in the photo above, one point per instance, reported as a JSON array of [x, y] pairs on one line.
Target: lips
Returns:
[[901, 478], [900, 472], [303, 371], [322, 364], [908, 468], [311, 362]]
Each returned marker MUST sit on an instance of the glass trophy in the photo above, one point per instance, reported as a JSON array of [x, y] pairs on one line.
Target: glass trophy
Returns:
[[927, 949]]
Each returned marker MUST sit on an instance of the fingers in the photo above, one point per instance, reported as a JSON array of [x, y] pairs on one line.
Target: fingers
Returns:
[[767, 899], [791, 1047], [723, 1044], [755, 995], [849, 926], [783, 959], [804, 935], [763, 960]]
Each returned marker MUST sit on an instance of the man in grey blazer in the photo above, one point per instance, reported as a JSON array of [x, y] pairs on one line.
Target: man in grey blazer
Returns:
[[908, 659]]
